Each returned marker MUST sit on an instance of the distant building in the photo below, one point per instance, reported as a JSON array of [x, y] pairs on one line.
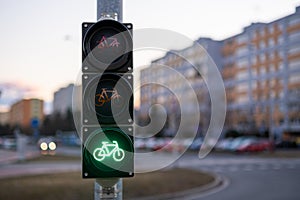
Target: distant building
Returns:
[[4, 118], [63, 99], [261, 71], [23, 112], [179, 75]]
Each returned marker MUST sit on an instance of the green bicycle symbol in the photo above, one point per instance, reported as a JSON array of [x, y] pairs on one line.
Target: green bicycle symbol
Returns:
[[107, 150]]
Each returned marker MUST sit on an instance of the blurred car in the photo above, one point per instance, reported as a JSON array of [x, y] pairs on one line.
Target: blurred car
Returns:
[[47, 144], [150, 143], [241, 142], [9, 142], [196, 144], [159, 144], [1, 142], [256, 146], [139, 143], [224, 144]]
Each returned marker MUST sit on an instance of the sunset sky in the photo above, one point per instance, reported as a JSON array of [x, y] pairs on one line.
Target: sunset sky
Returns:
[[41, 39]]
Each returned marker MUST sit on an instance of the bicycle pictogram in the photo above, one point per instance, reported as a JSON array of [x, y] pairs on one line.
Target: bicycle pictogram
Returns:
[[104, 97], [105, 43], [108, 150]]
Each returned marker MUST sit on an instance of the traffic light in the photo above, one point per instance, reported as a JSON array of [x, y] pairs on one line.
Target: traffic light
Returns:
[[107, 100]]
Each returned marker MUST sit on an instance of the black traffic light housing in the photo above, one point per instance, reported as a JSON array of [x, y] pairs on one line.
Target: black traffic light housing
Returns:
[[107, 47], [107, 100]]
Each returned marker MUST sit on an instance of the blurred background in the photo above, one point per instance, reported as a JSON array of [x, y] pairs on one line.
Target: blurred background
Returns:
[[254, 44]]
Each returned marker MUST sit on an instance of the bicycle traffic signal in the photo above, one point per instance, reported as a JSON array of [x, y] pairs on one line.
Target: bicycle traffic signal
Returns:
[[107, 100]]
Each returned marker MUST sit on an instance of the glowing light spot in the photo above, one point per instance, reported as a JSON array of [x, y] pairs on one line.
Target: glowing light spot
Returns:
[[44, 146], [52, 146], [109, 150]]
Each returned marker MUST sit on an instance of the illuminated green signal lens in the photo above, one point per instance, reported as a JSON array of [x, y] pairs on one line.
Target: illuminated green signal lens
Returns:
[[107, 153], [109, 150]]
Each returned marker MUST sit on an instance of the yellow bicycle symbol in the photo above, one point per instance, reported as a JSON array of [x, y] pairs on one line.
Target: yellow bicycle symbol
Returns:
[[108, 150], [103, 97]]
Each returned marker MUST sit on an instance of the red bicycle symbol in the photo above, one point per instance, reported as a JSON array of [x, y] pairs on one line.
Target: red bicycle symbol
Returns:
[[108, 42]]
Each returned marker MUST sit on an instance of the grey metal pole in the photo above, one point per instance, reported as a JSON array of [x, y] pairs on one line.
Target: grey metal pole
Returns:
[[110, 9], [110, 188]]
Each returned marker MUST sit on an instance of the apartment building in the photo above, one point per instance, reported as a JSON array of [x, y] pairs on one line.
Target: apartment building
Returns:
[[179, 77], [24, 111], [4, 118], [261, 72], [62, 101]]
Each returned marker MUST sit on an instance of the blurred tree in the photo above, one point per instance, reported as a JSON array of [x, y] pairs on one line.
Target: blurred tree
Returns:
[[56, 121], [5, 129], [231, 133]]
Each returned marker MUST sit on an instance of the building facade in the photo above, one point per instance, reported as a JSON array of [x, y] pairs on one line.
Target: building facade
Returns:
[[62, 101], [4, 118], [179, 77], [261, 72], [23, 112]]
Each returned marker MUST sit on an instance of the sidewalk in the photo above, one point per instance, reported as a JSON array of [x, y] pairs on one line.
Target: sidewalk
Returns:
[[29, 169], [10, 156]]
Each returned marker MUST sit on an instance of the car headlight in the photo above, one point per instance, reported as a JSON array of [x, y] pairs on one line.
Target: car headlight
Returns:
[[44, 146], [52, 146]]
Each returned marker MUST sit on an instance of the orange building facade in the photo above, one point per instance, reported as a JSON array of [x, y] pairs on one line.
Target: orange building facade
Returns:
[[23, 112]]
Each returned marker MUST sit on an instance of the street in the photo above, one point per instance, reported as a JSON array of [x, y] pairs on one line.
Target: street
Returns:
[[250, 177], [244, 176]]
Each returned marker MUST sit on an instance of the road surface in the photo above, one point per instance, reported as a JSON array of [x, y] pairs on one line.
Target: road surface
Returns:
[[250, 177]]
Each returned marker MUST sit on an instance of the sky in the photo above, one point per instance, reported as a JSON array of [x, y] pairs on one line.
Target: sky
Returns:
[[40, 40]]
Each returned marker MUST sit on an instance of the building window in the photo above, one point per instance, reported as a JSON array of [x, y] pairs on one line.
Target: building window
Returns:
[[242, 62], [242, 39], [262, 57], [262, 70], [271, 68], [242, 99], [242, 51], [294, 20], [294, 49], [253, 59], [262, 44], [254, 72], [271, 42], [280, 40], [271, 55], [254, 84], [271, 28], [295, 64], [272, 82], [242, 87], [262, 32], [281, 27], [281, 54], [243, 75], [281, 94], [294, 36], [280, 67], [273, 94], [294, 78]]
